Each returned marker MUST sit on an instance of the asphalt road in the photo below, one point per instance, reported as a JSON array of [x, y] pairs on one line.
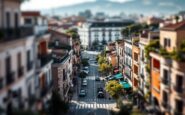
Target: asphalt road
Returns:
[[91, 105]]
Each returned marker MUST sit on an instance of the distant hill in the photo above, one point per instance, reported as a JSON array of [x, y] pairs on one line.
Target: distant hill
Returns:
[[147, 7]]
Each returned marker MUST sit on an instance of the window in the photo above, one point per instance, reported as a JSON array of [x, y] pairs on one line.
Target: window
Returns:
[[8, 19], [179, 81], [167, 42], [18, 60], [1, 83], [36, 21], [28, 21], [64, 75], [135, 69], [56, 42], [165, 97], [156, 64], [165, 76], [135, 56], [179, 105], [16, 20]]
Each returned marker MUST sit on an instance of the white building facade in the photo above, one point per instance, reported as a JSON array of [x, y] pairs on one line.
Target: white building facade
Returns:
[[128, 60], [102, 32]]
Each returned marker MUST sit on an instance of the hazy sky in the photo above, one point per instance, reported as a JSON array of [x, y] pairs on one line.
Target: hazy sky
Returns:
[[42, 4]]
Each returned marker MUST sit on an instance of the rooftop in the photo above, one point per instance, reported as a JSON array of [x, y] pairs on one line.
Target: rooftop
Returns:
[[31, 13], [174, 27], [111, 24]]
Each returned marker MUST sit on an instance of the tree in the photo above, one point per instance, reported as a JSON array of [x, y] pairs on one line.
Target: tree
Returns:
[[114, 89], [56, 105], [105, 68]]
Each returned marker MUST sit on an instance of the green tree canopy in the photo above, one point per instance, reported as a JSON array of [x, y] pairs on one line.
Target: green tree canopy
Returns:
[[105, 68], [113, 88]]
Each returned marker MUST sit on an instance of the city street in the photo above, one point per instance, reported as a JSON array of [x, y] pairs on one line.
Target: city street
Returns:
[[90, 104]]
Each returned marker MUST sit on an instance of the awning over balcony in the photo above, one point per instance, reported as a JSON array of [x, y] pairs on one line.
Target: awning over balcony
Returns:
[[118, 76], [125, 85]]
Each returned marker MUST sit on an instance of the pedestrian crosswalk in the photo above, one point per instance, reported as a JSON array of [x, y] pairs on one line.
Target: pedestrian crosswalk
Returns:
[[90, 106], [95, 100]]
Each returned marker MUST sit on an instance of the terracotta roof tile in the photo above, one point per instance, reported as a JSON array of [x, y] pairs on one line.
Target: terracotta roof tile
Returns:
[[30, 13], [173, 27]]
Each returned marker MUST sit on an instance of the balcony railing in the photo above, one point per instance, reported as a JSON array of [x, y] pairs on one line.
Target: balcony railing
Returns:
[[165, 81], [15, 33], [177, 112], [10, 77], [165, 104], [178, 89], [62, 59], [20, 71], [29, 65], [59, 46], [46, 90], [142, 76], [45, 59]]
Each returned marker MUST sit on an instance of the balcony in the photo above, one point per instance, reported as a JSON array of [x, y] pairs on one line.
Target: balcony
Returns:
[[142, 76], [165, 81], [15, 33], [61, 59], [44, 91], [44, 59], [20, 71], [29, 65], [165, 104], [52, 45], [178, 89], [10, 78], [177, 112]]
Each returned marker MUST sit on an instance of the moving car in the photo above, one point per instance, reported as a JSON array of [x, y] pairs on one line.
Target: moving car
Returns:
[[100, 89], [100, 94], [82, 93]]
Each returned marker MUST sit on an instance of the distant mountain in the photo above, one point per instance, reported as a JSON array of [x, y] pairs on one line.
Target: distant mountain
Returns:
[[147, 7]]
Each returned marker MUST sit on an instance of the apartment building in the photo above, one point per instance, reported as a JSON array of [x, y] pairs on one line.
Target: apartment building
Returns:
[[61, 45], [101, 32], [16, 59], [120, 54], [111, 54], [43, 73], [36, 22], [167, 72], [135, 64], [145, 37], [128, 60]]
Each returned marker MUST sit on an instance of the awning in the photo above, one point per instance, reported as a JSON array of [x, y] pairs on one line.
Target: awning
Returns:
[[118, 76], [125, 85]]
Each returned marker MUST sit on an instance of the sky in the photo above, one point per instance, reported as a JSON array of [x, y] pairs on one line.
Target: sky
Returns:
[[45, 4]]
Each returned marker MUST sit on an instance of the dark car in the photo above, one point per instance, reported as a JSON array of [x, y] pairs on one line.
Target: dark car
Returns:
[[97, 79], [82, 93], [100, 89], [100, 94]]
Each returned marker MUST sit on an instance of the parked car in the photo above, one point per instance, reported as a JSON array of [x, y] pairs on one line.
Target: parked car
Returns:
[[100, 89], [86, 69], [82, 93], [100, 94], [97, 79], [84, 82]]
